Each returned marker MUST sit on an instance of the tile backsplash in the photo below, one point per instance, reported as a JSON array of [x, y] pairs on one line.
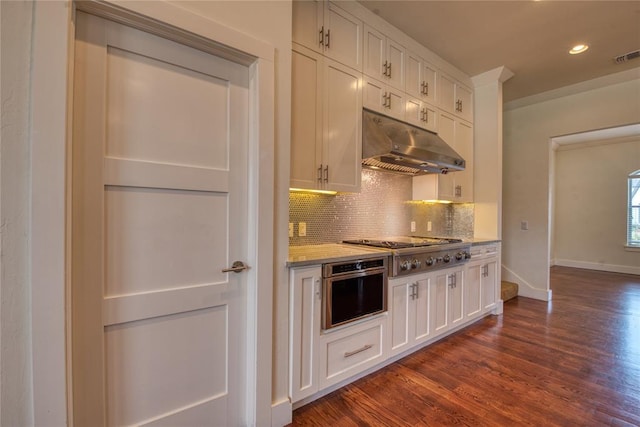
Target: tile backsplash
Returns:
[[383, 208]]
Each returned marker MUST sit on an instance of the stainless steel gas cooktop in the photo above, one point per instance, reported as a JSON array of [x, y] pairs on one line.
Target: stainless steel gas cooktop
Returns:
[[416, 254]]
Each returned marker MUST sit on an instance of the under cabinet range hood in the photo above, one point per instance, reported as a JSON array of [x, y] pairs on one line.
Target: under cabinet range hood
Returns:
[[395, 146]]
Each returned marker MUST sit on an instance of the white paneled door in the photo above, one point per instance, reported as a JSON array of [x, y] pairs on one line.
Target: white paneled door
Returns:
[[159, 194]]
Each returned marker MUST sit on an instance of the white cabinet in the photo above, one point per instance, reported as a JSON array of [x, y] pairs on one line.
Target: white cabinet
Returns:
[[384, 59], [381, 97], [326, 123], [304, 315], [421, 114], [328, 29], [454, 186], [409, 321], [420, 78], [481, 280], [473, 290], [447, 300], [455, 97], [346, 352]]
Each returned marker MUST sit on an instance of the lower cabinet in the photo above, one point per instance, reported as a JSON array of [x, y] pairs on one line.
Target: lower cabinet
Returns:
[[448, 299], [409, 303], [350, 350], [305, 298], [421, 308], [319, 359], [481, 281]]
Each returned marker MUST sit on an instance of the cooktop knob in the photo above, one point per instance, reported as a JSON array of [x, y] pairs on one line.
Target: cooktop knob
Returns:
[[446, 258], [405, 265], [429, 261], [415, 263], [459, 256], [467, 255]]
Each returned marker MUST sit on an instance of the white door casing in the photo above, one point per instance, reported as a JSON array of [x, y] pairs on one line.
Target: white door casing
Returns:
[[160, 207]]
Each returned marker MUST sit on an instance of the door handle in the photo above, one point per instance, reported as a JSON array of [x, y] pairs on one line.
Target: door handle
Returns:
[[236, 267]]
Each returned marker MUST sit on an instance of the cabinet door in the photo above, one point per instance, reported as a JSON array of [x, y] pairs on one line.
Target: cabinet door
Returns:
[[374, 53], [395, 65], [446, 93], [464, 99], [456, 298], [463, 190], [446, 131], [378, 96], [420, 78], [472, 281], [342, 142], [306, 117], [413, 75], [304, 312], [421, 114], [421, 321], [439, 309], [399, 299], [429, 79], [343, 36], [490, 285], [307, 24]]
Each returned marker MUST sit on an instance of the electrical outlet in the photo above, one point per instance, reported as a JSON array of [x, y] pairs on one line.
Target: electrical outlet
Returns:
[[302, 229], [428, 225], [290, 229], [413, 226], [524, 225]]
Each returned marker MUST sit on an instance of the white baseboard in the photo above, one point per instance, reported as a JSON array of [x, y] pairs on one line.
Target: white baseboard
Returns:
[[525, 289], [613, 268], [281, 413]]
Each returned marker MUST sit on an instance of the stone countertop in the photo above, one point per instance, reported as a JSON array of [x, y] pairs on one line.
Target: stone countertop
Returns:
[[475, 242], [300, 256]]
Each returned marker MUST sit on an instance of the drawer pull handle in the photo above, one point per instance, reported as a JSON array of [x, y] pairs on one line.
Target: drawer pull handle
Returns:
[[360, 350]]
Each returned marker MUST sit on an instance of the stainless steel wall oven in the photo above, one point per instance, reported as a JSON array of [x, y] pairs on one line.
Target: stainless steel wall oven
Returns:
[[353, 290]]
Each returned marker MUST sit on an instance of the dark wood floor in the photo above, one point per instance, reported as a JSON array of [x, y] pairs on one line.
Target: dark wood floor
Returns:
[[572, 362]]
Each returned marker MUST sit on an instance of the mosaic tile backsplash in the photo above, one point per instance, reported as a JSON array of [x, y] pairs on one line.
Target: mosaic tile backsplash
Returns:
[[382, 208]]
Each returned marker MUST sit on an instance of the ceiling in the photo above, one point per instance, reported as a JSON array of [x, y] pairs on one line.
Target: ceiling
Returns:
[[531, 38]]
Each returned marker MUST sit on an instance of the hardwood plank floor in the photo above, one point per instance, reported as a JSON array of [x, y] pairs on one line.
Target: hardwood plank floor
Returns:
[[574, 361]]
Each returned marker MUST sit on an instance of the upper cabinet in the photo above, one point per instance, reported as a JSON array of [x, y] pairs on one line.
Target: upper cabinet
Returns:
[[420, 78], [454, 186], [455, 98], [383, 98], [384, 59], [326, 123], [330, 30]]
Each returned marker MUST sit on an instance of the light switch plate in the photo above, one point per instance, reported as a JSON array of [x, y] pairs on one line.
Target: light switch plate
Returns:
[[524, 225], [413, 226], [428, 225], [290, 229], [302, 229]]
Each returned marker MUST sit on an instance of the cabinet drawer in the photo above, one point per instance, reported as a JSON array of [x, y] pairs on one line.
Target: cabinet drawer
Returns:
[[352, 353]]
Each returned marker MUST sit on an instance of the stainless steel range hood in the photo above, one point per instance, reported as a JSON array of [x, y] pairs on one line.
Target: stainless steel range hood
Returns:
[[396, 146]]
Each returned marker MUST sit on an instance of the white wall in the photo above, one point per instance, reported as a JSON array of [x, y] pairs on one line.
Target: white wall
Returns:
[[526, 170], [590, 206], [15, 331]]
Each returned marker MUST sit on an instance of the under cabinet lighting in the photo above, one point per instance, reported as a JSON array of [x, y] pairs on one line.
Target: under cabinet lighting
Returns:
[[579, 48], [304, 190]]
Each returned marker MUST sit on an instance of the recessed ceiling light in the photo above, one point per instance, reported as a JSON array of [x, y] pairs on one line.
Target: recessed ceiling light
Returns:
[[579, 48]]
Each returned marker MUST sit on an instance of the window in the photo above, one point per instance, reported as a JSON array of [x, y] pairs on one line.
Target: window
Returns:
[[633, 212]]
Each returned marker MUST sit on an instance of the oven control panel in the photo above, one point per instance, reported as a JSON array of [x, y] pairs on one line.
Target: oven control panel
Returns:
[[423, 262]]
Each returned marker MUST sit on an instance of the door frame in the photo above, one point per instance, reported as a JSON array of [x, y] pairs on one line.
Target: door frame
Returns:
[[51, 103]]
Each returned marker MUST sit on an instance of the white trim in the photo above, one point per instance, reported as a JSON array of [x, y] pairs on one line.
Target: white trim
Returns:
[[525, 289], [613, 268], [281, 413], [52, 36], [597, 83], [51, 84], [631, 248]]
